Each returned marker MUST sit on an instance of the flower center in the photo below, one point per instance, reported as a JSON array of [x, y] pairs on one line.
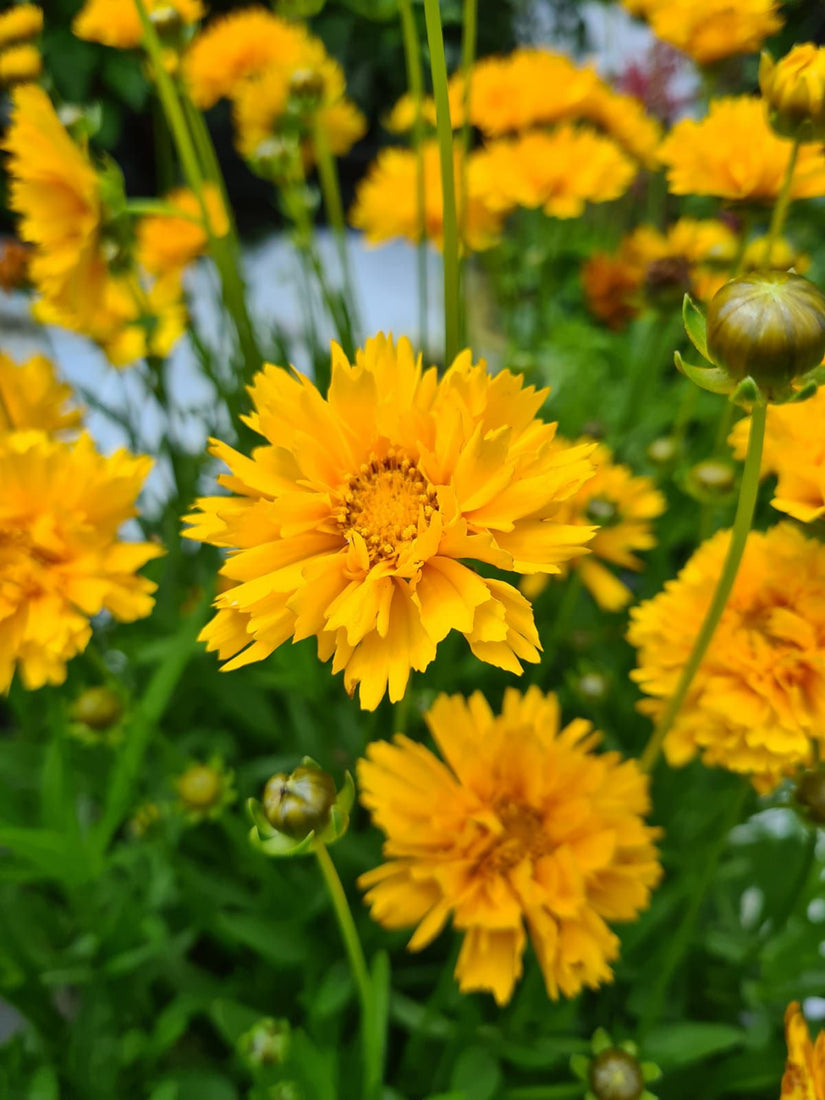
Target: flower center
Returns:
[[523, 835], [383, 503]]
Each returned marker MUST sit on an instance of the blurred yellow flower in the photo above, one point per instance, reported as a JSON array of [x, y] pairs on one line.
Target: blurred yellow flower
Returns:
[[794, 90], [733, 154], [794, 451], [61, 562], [784, 255], [20, 65], [523, 828], [804, 1076], [560, 172], [351, 522], [56, 191], [386, 201], [710, 30], [623, 118], [166, 243], [20, 23], [757, 703], [32, 398], [117, 23], [401, 118]]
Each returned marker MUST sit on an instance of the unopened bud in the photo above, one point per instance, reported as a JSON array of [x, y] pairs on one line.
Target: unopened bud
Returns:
[[794, 91], [662, 451], [306, 87], [204, 790], [602, 511], [97, 707], [166, 20], [711, 479], [300, 803], [266, 1043], [593, 686], [616, 1075]]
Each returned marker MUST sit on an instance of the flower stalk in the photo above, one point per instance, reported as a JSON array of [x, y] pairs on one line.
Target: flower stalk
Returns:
[[780, 209], [415, 81]]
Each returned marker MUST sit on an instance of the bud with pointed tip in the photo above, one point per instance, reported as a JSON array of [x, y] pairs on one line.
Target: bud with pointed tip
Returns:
[[794, 91], [299, 810]]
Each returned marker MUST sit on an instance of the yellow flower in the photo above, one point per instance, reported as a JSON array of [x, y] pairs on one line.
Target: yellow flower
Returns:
[[783, 256], [757, 703], [804, 1076], [237, 47], [56, 192], [794, 89], [351, 523], [401, 118], [166, 243], [795, 451], [61, 562], [117, 23], [31, 398], [20, 23], [20, 65], [710, 30], [343, 125], [623, 118], [560, 172], [733, 153], [386, 201], [523, 824]]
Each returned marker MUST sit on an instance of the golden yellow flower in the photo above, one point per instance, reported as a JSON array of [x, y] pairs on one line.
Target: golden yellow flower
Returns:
[[623, 118], [166, 243], [757, 703], [343, 125], [784, 255], [523, 824], [401, 118], [794, 89], [117, 23], [794, 451], [804, 1076], [236, 47], [386, 201], [61, 562], [560, 171], [20, 23], [710, 30], [31, 397], [20, 65], [351, 523], [733, 154], [56, 192]]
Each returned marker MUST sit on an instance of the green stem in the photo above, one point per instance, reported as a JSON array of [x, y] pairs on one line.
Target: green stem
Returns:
[[415, 82], [438, 68], [739, 535], [358, 964], [333, 204], [780, 210], [469, 42], [149, 208]]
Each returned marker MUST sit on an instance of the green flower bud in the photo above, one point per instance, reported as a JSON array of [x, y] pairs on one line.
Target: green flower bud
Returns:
[[710, 480], [204, 790], [810, 794], [306, 91], [300, 803], [97, 707], [663, 451], [266, 1043], [593, 686], [602, 511], [769, 326], [615, 1074]]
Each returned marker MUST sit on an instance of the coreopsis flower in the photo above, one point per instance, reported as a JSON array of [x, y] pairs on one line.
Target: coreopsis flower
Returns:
[[167, 243], [32, 398], [386, 201], [20, 65], [624, 119], [710, 30], [56, 191], [757, 704], [237, 47], [783, 256], [560, 172], [20, 23], [351, 523], [522, 828], [401, 119], [794, 451], [794, 90], [733, 154], [61, 561], [804, 1076], [117, 22]]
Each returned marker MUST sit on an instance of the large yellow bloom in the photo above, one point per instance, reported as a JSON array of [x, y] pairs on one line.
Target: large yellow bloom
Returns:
[[804, 1076], [61, 562], [386, 201], [795, 451], [117, 23], [20, 23], [733, 154], [710, 30], [523, 824], [56, 192], [31, 398], [166, 243], [560, 171], [757, 703], [351, 523]]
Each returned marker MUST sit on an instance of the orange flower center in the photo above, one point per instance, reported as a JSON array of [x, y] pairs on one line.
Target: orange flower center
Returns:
[[524, 836], [384, 503]]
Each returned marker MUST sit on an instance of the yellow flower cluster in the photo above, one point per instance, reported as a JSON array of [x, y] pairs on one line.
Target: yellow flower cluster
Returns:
[[804, 1076], [351, 523], [117, 23], [20, 60], [757, 703], [521, 829], [710, 30]]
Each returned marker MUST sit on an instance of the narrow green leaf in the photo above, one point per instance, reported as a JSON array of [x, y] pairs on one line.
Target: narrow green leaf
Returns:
[[713, 379], [695, 326]]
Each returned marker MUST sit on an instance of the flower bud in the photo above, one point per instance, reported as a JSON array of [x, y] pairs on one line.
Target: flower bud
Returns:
[[711, 480], [615, 1074], [810, 794], [266, 1043], [663, 450], [769, 326], [300, 803], [306, 89], [204, 790], [593, 687], [97, 707], [794, 91], [602, 511]]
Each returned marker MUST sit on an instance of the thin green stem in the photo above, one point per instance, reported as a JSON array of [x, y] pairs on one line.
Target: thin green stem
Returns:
[[469, 42], [780, 210], [739, 535], [148, 208], [444, 128], [334, 206], [358, 965], [415, 82]]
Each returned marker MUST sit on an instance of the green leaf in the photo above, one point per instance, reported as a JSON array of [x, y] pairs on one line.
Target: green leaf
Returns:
[[680, 1044], [51, 852], [378, 10], [198, 1085], [477, 1074], [695, 326], [277, 942], [713, 379], [44, 1085], [232, 1018]]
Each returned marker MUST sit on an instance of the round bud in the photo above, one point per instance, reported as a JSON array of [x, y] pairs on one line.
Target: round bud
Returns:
[[810, 794], [306, 87], [200, 786], [794, 91], [266, 1043], [97, 707], [300, 803], [711, 479], [593, 686], [769, 325], [602, 511], [166, 20], [663, 451], [616, 1075]]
